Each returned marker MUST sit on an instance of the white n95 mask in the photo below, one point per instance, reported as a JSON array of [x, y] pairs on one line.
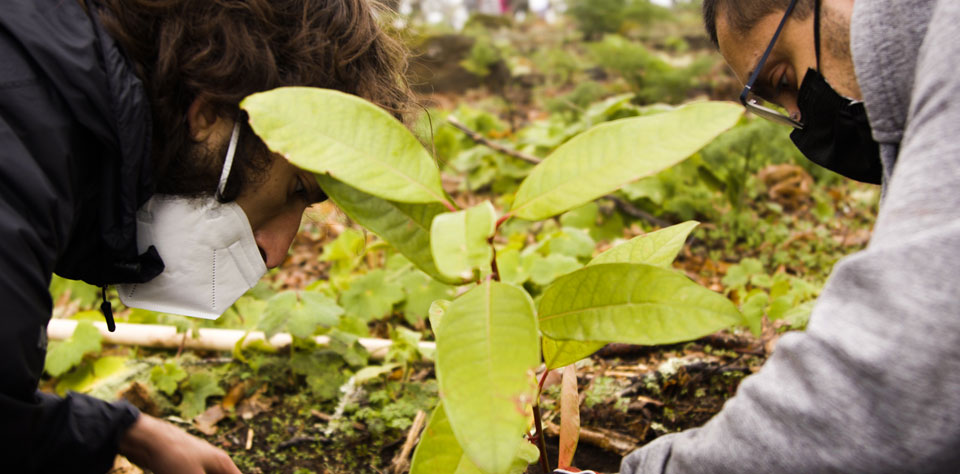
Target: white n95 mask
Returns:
[[209, 253]]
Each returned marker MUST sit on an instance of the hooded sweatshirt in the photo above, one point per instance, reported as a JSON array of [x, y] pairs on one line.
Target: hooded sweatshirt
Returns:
[[873, 385], [74, 167]]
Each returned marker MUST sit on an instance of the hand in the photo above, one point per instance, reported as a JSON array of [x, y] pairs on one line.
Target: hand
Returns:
[[165, 449]]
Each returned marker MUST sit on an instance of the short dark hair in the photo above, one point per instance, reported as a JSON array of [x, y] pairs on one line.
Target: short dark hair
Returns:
[[743, 15], [223, 50]]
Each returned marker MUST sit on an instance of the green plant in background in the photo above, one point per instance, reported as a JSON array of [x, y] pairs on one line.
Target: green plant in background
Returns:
[[483, 55], [489, 338], [652, 78], [596, 17]]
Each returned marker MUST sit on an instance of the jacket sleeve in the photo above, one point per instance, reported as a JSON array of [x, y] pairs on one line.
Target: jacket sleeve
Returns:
[[38, 432], [873, 385]]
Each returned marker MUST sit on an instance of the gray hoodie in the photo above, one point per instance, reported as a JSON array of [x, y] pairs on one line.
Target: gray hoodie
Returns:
[[873, 385]]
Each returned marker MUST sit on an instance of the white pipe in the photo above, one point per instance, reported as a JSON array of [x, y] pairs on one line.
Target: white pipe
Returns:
[[210, 339]]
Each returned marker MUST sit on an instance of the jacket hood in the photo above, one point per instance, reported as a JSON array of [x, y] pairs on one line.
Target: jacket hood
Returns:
[[885, 36]]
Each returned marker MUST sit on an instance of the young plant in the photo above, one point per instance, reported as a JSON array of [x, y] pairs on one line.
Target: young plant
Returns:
[[492, 338]]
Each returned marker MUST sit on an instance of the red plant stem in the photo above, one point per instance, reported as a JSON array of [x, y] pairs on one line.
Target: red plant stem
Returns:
[[493, 262], [503, 219], [450, 207], [543, 378]]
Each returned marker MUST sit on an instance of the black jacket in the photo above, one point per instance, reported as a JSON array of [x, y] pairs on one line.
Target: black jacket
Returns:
[[74, 167]]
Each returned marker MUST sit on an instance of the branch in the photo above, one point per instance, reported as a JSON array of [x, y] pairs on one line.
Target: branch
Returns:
[[633, 211], [622, 204], [604, 439], [477, 137], [401, 461]]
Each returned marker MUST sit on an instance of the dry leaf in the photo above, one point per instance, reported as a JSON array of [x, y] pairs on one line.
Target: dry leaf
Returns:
[[122, 465], [255, 404], [206, 422], [140, 396], [234, 395], [569, 417]]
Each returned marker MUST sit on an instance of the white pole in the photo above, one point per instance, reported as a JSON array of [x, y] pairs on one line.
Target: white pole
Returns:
[[210, 339]]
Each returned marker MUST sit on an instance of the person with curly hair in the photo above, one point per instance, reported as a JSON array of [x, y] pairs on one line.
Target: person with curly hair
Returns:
[[126, 160]]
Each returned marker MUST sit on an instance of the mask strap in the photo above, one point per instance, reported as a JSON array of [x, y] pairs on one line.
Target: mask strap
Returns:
[[816, 30], [228, 161]]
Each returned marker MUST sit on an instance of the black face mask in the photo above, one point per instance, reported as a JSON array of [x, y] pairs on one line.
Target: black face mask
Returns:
[[836, 132]]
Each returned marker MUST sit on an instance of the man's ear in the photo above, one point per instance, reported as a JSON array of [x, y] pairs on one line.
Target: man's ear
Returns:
[[202, 119]]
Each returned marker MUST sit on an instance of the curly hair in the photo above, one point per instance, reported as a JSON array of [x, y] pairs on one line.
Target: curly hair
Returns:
[[224, 50], [743, 15]]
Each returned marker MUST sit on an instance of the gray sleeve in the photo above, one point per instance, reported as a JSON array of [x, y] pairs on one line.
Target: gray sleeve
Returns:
[[873, 385]]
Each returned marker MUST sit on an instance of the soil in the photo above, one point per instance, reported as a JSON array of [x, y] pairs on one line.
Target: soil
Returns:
[[630, 395]]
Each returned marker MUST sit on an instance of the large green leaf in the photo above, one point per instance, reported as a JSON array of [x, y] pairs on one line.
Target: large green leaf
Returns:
[[486, 355], [632, 303], [437, 310], [658, 248], [613, 154], [405, 226], [459, 240], [329, 132], [557, 354], [439, 451]]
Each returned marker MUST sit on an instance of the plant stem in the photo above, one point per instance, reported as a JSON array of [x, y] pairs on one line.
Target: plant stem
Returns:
[[541, 438], [503, 219], [542, 442], [493, 262], [543, 378]]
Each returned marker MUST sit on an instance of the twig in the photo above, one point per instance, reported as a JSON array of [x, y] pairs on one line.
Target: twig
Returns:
[[604, 439], [633, 211], [622, 204], [296, 440], [401, 462], [494, 269], [477, 137]]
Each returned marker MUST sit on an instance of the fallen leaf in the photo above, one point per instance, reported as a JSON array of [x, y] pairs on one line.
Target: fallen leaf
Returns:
[[206, 422], [233, 396], [569, 417], [255, 404], [139, 395]]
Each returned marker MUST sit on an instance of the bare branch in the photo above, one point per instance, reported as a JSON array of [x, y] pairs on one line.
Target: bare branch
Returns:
[[482, 140]]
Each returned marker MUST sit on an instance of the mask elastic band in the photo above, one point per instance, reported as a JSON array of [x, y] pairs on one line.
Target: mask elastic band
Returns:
[[228, 161], [816, 31]]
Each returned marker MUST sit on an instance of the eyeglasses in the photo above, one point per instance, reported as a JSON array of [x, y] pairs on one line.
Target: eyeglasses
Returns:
[[755, 103]]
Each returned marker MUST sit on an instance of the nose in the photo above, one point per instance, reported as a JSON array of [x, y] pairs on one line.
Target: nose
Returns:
[[275, 236]]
